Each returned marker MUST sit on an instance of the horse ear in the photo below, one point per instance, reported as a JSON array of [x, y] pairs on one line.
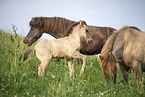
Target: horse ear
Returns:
[[37, 22], [32, 22], [81, 23], [101, 58]]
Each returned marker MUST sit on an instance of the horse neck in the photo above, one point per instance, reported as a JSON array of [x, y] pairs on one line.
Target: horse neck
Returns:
[[57, 30], [76, 35]]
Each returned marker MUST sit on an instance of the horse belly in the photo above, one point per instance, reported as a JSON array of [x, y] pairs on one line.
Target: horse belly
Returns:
[[133, 52], [63, 53], [59, 52], [58, 55]]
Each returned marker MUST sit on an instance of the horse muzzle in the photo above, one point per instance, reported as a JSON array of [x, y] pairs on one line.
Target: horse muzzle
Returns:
[[27, 43]]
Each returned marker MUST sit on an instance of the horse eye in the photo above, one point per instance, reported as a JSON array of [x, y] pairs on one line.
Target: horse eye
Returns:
[[87, 30], [101, 58], [32, 28]]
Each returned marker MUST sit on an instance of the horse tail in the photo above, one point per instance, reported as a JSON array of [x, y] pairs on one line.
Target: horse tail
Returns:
[[27, 53]]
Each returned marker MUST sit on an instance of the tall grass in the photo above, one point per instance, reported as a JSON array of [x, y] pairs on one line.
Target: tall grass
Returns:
[[18, 78]]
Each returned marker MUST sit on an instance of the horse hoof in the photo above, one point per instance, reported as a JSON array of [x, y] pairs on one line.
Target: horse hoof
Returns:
[[53, 76]]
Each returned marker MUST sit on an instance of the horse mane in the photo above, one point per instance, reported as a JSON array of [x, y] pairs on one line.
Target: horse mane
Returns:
[[106, 53], [54, 24], [73, 25], [36, 22]]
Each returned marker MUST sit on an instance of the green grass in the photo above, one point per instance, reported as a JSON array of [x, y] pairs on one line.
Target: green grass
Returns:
[[18, 78]]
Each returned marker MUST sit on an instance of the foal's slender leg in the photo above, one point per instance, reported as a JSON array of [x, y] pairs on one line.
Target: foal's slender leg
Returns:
[[79, 61], [43, 66], [71, 67], [45, 60], [83, 66], [40, 70], [83, 57]]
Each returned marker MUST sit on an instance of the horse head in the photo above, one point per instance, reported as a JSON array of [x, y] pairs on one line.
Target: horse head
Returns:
[[35, 31], [85, 34]]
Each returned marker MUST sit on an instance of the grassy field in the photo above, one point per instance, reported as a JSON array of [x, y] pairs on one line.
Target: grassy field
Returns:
[[20, 79]]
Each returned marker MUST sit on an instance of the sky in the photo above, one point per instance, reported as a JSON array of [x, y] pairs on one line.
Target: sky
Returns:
[[103, 13]]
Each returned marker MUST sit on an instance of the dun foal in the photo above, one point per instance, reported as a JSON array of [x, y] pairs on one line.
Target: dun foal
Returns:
[[67, 47]]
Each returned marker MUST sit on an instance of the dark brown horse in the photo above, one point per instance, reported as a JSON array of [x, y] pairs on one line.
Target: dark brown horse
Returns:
[[58, 27], [126, 47]]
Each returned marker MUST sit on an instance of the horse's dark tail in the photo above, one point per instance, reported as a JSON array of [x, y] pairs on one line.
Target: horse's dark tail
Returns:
[[27, 53]]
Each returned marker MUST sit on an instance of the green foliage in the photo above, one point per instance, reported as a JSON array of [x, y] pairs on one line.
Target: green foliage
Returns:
[[18, 78]]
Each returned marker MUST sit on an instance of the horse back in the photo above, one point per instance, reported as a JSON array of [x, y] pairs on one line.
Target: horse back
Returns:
[[134, 44]]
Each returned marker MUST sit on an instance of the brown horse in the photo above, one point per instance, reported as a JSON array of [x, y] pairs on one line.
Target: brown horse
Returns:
[[126, 47], [58, 27]]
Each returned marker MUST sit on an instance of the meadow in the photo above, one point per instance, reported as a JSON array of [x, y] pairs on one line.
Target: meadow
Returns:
[[20, 79]]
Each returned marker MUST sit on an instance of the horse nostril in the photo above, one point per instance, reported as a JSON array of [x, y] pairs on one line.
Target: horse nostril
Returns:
[[90, 41], [24, 41]]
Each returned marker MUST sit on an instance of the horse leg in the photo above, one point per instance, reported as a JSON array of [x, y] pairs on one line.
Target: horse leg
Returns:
[[137, 69], [43, 66], [84, 63], [124, 70], [45, 60], [40, 70], [79, 61], [83, 57], [115, 75], [71, 67]]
